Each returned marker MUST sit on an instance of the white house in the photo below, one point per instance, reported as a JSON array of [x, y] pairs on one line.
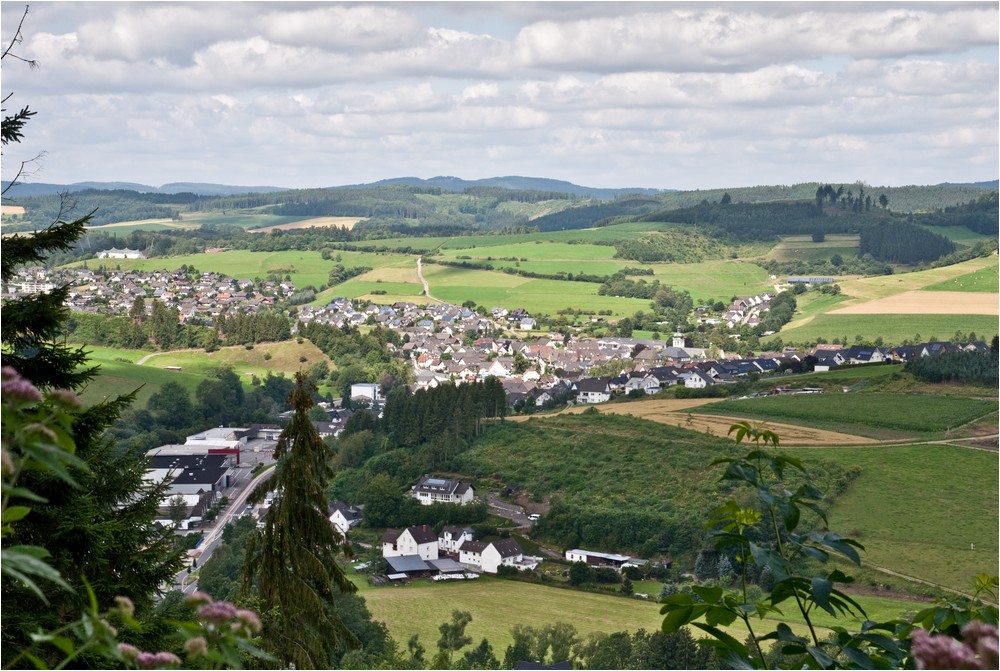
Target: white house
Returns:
[[593, 390], [451, 538], [372, 392], [698, 380], [490, 556], [418, 541], [648, 383], [441, 490], [344, 517]]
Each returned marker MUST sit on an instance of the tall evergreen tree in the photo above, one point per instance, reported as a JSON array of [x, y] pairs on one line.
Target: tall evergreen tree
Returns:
[[101, 531], [293, 561]]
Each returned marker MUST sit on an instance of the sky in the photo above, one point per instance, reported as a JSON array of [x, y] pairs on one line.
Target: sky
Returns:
[[691, 95]]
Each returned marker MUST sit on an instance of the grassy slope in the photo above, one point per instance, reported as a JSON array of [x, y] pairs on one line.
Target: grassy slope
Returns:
[[875, 414], [118, 377], [985, 279], [916, 509], [812, 322]]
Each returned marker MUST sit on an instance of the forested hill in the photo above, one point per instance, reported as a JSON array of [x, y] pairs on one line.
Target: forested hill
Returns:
[[746, 213]]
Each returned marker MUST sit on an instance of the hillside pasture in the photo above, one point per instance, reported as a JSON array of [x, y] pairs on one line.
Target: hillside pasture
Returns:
[[960, 235], [893, 329], [687, 414], [983, 280], [120, 377], [870, 288], [802, 248], [919, 509], [457, 285], [880, 415]]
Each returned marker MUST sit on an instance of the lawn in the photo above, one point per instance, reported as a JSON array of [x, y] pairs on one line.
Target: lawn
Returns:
[[918, 509], [882, 415], [985, 279]]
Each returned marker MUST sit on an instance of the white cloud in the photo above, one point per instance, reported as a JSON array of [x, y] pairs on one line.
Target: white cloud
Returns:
[[342, 28]]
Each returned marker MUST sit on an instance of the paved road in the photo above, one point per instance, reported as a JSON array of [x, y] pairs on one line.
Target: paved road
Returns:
[[213, 536]]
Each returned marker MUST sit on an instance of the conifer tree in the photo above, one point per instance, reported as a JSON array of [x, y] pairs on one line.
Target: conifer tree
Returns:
[[292, 562], [101, 531]]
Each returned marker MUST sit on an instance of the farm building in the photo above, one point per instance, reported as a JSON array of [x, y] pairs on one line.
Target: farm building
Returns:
[[810, 280]]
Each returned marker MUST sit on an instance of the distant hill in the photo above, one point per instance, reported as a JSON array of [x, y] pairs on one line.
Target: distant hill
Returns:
[[514, 182], [27, 189]]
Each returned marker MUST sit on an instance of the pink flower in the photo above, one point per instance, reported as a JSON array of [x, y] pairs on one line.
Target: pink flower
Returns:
[[129, 652], [941, 652], [15, 387], [218, 612], [195, 647], [198, 599], [249, 620], [66, 397], [125, 605]]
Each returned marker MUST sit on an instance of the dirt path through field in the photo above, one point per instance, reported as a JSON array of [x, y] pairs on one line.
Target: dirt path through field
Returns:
[[677, 412]]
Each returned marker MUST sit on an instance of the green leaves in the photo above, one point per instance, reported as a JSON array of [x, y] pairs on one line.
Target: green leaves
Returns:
[[26, 562]]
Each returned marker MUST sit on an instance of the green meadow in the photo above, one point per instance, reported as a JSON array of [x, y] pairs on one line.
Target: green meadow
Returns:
[[893, 329], [802, 248], [883, 415], [456, 285], [121, 377], [958, 234], [497, 605], [985, 279], [919, 509]]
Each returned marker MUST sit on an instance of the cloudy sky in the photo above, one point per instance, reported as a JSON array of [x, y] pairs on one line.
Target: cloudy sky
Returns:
[[604, 94]]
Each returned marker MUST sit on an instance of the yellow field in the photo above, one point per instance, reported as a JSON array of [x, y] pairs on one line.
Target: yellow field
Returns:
[[927, 303], [166, 222], [316, 222], [676, 412], [12, 209]]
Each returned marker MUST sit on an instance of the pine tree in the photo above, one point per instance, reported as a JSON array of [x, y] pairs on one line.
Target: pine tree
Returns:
[[293, 561], [102, 531]]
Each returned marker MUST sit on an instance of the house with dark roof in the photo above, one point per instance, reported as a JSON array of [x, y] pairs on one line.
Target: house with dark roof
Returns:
[[344, 517], [419, 541], [442, 490], [592, 390]]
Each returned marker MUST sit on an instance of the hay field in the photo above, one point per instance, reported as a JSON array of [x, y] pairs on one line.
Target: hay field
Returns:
[[677, 412], [927, 303], [316, 222]]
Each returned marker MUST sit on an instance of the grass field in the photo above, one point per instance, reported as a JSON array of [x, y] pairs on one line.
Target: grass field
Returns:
[[893, 329], [120, 377], [985, 279], [917, 509], [456, 285], [869, 288], [882, 415], [497, 605], [802, 248], [958, 234]]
